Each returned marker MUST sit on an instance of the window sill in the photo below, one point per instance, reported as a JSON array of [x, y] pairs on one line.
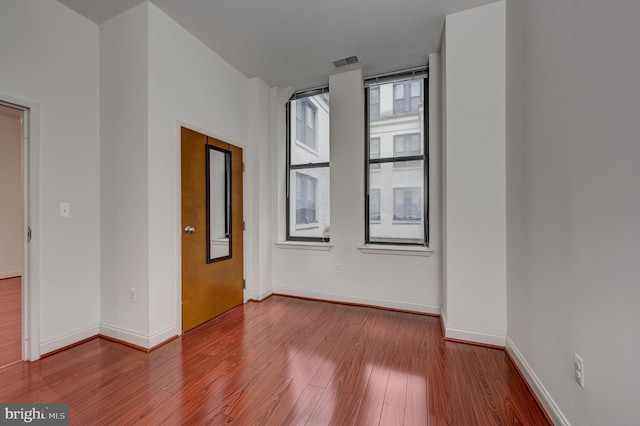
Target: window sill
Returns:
[[397, 250], [308, 226], [406, 169], [307, 147], [304, 245]]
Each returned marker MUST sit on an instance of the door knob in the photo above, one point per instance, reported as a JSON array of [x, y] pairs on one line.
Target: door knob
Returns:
[[189, 229]]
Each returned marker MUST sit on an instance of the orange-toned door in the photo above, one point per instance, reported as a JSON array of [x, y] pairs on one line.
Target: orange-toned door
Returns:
[[212, 228]]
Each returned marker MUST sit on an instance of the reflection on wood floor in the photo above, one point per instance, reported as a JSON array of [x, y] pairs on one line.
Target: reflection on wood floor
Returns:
[[10, 321], [285, 361]]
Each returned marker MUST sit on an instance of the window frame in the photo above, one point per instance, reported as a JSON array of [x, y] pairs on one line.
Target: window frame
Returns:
[[292, 167], [397, 78]]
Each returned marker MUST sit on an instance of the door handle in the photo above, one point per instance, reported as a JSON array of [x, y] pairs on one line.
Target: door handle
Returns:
[[189, 229]]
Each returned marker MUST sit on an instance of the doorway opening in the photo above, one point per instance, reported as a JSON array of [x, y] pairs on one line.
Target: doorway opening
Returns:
[[19, 332], [11, 236]]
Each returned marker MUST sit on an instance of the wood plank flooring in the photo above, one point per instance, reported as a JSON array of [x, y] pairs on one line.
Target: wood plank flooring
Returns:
[[10, 321], [285, 361]]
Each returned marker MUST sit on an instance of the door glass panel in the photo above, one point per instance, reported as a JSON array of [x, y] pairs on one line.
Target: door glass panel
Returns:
[[218, 204]]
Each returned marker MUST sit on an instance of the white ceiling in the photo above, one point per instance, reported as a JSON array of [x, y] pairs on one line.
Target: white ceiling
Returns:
[[292, 42]]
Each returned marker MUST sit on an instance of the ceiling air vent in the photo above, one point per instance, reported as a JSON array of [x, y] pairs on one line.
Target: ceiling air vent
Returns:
[[344, 62]]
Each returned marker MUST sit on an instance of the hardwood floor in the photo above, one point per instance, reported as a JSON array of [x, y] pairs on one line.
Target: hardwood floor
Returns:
[[10, 321], [285, 361]]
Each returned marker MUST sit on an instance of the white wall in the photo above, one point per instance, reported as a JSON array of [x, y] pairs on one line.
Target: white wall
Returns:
[[123, 178], [11, 209], [475, 175], [443, 165], [399, 281], [157, 77], [50, 57], [435, 171], [573, 160], [258, 205], [192, 86]]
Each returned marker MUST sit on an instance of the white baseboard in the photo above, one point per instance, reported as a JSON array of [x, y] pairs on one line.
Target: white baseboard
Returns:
[[541, 392], [139, 339], [10, 274], [475, 336], [68, 339], [383, 303], [125, 335], [265, 294], [254, 295], [163, 335]]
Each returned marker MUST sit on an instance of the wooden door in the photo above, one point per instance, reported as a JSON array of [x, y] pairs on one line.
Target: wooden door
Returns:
[[209, 286]]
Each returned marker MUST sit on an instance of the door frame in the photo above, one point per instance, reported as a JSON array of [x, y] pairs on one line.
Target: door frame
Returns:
[[31, 213], [178, 195]]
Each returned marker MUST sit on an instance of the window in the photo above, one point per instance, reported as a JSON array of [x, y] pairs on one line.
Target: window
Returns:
[[374, 151], [374, 204], [407, 204], [308, 167], [306, 188], [396, 179], [374, 109], [306, 123], [407, 96], [405, 146]]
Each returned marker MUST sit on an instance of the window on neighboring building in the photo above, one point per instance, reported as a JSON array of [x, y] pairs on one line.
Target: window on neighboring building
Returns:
[[406, 145], [396, 207], [306, 188], [308, 167], [306, 123], [374, 204], [374, 151], [374, 104], [407, 204], [407, 96]]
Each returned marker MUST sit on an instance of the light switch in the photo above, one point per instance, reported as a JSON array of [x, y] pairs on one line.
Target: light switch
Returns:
[[64, 210]]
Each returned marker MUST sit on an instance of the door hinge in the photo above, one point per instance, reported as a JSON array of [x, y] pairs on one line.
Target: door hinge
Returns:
[[244, 284], [243, 167], [28, 234], [243, 225]]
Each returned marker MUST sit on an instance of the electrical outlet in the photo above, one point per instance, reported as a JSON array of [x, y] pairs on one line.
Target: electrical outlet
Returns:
[[133, 295], [65, 210], [578, 368], [338, 267]]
